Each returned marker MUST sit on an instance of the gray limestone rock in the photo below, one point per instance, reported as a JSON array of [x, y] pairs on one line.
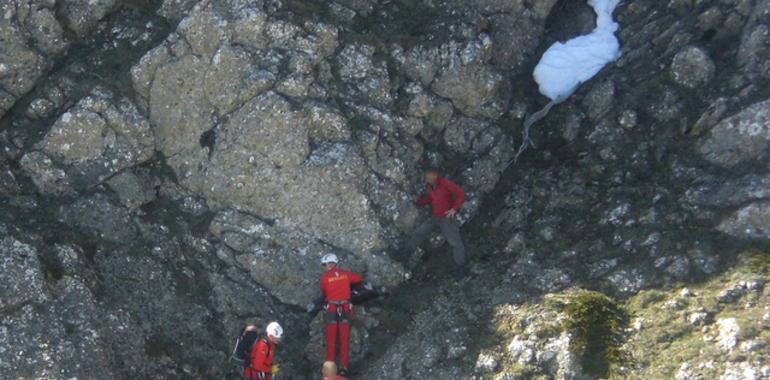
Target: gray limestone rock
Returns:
[[733, 192], [367, 76], [692, 67], [176, 9], [30, 36], [100, 136], [47, 177], [257, 163], [232, 79], [749, 222], [473, 89], [23, 280], [740, 138], [754, 47], [179, 109], [97, 217], [8, 182], [599, 99], [134, 189], [82, 15]]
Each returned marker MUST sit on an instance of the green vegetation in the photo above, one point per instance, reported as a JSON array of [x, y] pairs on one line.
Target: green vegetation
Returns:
[[647, 298], [668, 338], [757, 262], [597, 324]]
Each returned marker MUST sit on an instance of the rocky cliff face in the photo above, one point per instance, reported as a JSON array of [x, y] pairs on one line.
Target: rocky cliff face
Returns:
[[174, 169]]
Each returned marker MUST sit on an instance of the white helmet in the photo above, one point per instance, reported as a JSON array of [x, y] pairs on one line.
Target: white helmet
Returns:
[[329, 258], [275, 330]]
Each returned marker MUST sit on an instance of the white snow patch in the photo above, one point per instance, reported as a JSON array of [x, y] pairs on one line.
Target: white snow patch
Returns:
[[564, 66]]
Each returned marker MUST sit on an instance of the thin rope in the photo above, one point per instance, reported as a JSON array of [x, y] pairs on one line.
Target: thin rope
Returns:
[[528, 122]]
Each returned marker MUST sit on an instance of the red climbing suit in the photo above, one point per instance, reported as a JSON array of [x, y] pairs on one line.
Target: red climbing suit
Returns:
[[444, 195], [335, 286], [261, 362]]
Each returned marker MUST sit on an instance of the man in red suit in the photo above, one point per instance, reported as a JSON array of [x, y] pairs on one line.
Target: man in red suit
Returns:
[[261, 365], [338, 315], [445, 199]]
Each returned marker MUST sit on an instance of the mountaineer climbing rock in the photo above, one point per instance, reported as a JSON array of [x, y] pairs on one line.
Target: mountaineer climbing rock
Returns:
[[335, 286], [261, 366], [445, 199], [359, 295]]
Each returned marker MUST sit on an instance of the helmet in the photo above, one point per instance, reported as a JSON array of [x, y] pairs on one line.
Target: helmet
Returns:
[[275, 330], [329, 258]]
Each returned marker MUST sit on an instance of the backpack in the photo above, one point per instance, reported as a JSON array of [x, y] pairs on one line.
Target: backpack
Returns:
[[243, 344]]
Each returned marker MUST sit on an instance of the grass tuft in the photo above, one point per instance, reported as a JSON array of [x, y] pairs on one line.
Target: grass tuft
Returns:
[[757, 262], [597, 324]]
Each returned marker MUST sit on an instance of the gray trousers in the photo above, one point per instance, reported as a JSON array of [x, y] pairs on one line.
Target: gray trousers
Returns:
[[449, 229]]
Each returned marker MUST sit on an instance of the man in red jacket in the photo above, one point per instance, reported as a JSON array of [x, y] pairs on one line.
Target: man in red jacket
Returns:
[[335, 286], [261, 365], [445, 199]]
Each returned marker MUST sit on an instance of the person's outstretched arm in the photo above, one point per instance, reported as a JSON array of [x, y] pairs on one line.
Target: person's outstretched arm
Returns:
[[423, 201], [356, 279]]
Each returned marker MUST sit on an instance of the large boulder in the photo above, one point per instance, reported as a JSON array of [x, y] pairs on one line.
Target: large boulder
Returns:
[[733, 192], [740, 138], [23, 279], [47, 177], [100, 136], [82, 15], [179, 106], [367, 77], [259, 163], [30, 36], [286, 261], [754, 49], [255, 156], [474, 86], [749, 222], [471, 88], [516, 29], [692, 67]]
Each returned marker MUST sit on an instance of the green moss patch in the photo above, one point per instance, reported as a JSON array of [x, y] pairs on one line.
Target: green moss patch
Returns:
[[757, 262], [597, 324]]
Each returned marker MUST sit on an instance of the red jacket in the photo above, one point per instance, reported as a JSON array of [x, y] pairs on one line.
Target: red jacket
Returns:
[[262, 355], [443, 196], [336, 283]]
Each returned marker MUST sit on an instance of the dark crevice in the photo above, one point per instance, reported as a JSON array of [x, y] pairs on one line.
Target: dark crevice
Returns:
[[568, 19], [708, 35], [208, 140]]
